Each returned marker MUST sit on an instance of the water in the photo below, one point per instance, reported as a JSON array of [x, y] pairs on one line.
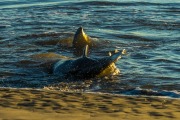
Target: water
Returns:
[[148, 30]]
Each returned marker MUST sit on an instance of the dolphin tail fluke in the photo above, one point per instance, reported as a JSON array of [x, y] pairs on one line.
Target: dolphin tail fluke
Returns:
[[115, 57], [124, 52]]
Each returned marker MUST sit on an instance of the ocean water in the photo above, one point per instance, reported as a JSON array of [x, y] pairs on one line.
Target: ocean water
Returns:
[[148, 30]]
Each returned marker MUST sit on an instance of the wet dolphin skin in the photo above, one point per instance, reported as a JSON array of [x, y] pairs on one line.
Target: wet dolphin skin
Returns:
[[85, 67]]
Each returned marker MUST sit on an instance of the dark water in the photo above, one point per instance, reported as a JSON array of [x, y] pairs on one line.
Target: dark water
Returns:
[[149, 31]]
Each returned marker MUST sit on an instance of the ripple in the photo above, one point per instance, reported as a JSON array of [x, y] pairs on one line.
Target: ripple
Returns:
[[165, 60], [160, 25], [140, 38], [110, 3], [139, 91], [148, 30], [4, 26]]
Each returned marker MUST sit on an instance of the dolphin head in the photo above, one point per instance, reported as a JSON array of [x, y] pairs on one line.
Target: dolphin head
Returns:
[[81, 39]]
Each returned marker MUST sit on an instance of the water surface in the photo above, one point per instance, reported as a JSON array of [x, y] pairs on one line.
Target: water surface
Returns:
[[148, 30]]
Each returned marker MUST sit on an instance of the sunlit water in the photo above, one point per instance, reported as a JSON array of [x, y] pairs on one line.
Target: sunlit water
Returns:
[[149, 31]]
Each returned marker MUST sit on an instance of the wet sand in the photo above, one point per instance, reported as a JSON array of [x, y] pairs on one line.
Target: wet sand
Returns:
[[54, 105]]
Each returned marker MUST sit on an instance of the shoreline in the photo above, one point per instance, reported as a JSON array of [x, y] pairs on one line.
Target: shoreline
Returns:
[[48, 104]]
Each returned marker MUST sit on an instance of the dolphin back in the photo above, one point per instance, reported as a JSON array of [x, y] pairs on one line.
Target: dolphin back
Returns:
[[98, 68], [85, 67]]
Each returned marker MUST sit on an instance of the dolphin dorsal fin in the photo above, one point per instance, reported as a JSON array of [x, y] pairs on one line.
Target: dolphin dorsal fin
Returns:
[[85, 51]]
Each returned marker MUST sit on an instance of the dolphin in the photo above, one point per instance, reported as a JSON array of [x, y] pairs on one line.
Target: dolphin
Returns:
[[86, 68], [81, 39]]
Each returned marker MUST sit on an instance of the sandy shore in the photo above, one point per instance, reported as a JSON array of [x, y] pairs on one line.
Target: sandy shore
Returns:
[[53, 105]]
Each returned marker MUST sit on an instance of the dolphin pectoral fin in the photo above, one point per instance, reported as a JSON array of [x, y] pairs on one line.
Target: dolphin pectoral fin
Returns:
[[85, 51], [110, 54]]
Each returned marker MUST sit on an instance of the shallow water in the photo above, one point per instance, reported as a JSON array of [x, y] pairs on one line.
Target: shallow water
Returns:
[[149, 31]]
